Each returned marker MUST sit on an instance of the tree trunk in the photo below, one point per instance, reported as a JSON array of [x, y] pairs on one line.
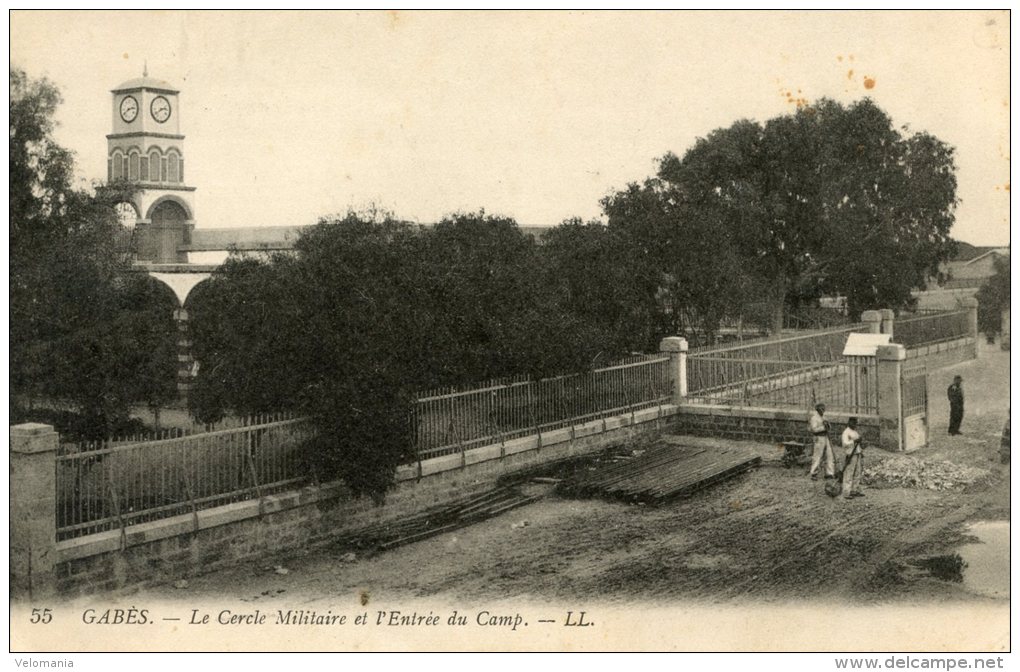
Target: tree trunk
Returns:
[[778, 303], [776, 318]]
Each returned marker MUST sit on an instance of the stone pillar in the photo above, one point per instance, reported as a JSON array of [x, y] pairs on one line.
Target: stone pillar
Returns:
[[971, 304], [890, 395], [676, 348], [33, 507], [873, 319], [888, 317], [185, 362]]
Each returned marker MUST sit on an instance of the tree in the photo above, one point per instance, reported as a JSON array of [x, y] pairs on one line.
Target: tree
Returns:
[[689, 277], [830, 199], [365, 315], [323, 332], [993, 298], [247, 326], [493, 311], [81, 331], [600, 283]]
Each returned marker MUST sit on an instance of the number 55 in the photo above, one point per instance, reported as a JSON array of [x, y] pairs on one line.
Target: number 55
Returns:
[[41, 616]]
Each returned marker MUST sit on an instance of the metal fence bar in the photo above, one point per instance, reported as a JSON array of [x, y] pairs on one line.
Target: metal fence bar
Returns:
[[775, 343], [521, 407], [165, 477], [927, 329], [175, 472], [842, 384]]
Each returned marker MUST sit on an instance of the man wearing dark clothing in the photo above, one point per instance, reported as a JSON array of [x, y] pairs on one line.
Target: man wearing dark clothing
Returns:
[[955, 394]]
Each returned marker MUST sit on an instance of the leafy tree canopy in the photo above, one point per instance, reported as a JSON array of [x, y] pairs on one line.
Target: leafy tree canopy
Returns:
[[367, 313], [81, 330], [993, 298], [830, 199]]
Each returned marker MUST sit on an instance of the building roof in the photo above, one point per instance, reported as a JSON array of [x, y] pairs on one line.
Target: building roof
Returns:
[[967, 252], [263, 238], [146, 82], [1001, 251]]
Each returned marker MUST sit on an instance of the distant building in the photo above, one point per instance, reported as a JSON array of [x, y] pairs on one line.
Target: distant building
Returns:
[[972, 266], [966, 272]]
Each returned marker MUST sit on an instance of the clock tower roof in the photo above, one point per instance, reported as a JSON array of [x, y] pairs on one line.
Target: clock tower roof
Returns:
[[146, 82]]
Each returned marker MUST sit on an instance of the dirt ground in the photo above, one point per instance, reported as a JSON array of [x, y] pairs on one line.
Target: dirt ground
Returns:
[[767, 535]]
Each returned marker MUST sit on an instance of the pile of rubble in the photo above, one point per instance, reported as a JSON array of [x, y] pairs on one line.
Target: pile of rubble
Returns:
[[910, 472]]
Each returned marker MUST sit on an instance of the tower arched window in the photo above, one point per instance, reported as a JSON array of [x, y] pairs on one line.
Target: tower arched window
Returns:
[[118, 166], [154, 160], [173, 174], [133, 165]]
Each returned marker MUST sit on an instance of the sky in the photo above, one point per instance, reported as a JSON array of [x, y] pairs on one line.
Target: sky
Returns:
[[293, 116]]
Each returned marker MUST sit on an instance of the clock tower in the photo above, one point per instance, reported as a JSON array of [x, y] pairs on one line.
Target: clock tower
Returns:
[[146, 149]]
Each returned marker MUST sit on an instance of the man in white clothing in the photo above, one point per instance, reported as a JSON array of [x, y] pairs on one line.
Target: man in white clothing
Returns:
[[851, 441], [823, 448]]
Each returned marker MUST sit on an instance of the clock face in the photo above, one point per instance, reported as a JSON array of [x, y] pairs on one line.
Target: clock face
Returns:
[[160, 109], [128, 109]]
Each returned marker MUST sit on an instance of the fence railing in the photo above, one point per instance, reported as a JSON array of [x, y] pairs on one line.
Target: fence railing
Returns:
[[815, 346], [117, 483], [113, 485], [790, 353], [915, 389], [454, 420], [920, 330], [845, 385]]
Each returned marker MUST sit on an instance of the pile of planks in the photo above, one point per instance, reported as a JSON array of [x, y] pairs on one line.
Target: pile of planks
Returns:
[[436, 520], [661, 473]]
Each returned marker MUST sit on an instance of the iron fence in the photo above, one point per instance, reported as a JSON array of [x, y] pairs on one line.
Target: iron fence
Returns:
[[847, 385], [915, 389], [117, 483], [448, 421], [112, 485], [930, 328], [814, 346], [791, 353]]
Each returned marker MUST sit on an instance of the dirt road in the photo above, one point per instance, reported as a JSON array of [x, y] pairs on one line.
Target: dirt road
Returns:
[[770, 534]]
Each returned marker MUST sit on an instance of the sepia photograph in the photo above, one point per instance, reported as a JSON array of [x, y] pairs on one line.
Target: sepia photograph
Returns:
[[511, 331]]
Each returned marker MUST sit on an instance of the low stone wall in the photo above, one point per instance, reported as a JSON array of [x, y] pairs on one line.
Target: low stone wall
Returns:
[[940, 355], [182, 546], [764, 425]]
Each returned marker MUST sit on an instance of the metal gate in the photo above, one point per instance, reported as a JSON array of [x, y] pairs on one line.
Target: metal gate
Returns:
[[915, 406]]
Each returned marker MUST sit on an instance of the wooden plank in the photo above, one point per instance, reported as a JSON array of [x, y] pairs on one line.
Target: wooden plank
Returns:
[[662, 473]]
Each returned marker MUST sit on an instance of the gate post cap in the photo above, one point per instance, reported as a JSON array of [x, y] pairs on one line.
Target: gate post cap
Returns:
[[31, 429], [33, 437], [893, 352], [673, 344]]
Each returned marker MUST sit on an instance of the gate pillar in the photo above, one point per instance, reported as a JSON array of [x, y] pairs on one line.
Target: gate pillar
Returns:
[[676, 348], [890, 360], [33, 502]]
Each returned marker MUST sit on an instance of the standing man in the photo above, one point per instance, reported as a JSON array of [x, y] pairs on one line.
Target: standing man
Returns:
[[820, 430], [955, 394], [854, 452]]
